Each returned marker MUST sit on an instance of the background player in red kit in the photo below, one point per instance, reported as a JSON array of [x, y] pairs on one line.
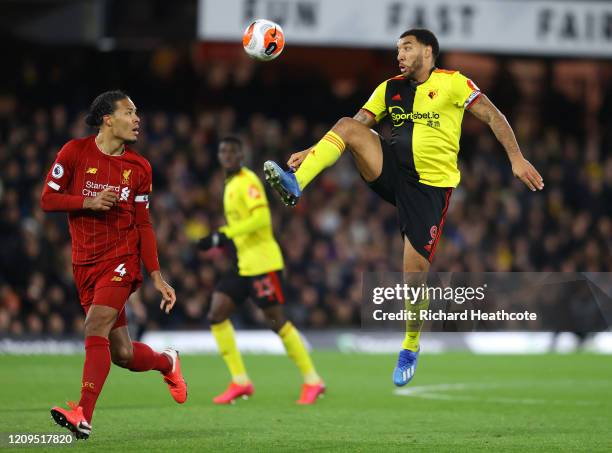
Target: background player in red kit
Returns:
[[104, 186]]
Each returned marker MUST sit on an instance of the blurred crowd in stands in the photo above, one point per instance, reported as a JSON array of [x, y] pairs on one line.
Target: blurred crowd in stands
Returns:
[[561, 112]]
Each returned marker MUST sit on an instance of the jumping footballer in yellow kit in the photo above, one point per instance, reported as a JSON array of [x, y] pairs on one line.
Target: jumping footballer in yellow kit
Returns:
[[259, 277], [416, 169]]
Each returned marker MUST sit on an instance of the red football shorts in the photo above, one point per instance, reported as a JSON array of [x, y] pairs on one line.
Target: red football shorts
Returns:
[[108, 283]]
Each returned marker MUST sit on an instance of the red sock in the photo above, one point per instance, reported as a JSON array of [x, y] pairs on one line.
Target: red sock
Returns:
[[95, 370], [146, 359]]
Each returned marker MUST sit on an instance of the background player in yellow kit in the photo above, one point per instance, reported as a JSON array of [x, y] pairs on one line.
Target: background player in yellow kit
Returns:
[[416, 169], [259, 276]]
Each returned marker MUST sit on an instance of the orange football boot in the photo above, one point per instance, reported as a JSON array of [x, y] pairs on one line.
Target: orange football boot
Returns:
[[72, 419], [174, 378], [310, 393], [234, 391]]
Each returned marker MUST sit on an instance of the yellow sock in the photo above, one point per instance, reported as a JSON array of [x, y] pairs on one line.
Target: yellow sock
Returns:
[[226, 342], [321, 156], [413, 328], [297, 352]]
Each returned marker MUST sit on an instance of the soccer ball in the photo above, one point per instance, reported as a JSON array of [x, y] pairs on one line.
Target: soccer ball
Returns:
[[263, 40]]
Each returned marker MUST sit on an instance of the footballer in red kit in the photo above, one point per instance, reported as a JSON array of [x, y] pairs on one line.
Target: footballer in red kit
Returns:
[[82, 171], [104, 187]]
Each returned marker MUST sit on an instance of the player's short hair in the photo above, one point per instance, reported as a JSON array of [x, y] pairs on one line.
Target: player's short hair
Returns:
[[104, 104], [232, 139], [425, 37]]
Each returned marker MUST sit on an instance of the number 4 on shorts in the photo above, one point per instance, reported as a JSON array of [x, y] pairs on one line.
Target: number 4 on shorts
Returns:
[[121, 269]]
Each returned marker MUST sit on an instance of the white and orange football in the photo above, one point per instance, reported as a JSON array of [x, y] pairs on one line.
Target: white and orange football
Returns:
[[263, 40]]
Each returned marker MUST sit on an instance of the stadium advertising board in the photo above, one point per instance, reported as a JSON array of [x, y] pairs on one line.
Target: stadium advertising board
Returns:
[[502, 26]]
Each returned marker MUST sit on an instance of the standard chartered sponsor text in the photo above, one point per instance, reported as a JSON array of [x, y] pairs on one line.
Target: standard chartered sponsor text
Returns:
[[91, 188]]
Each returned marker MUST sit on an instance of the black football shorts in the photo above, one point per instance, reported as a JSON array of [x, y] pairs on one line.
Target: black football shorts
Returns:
[[265, 290], [421, 209]]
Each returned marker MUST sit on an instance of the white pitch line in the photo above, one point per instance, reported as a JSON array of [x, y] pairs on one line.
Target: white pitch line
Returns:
[[419, 389], [433, 392]]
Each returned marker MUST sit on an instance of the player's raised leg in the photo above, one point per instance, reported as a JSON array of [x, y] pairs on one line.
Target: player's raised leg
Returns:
[[313, 385], [363, 143], [415, 273], [222, 306], [138, 357]]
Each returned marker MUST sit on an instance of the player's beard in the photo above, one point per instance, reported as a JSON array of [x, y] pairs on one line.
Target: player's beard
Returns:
[[415, 68], [130, 142]]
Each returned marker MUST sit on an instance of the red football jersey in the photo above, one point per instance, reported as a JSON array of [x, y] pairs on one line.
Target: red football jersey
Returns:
[[82, 170]]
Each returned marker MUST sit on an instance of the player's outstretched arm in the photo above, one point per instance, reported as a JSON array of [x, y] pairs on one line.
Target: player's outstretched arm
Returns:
[[148, 253], [484, 110], [363, 116], [167, 291]]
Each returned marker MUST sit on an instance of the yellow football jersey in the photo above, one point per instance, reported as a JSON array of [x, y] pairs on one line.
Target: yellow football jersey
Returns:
[[249, 224], [426, 122]]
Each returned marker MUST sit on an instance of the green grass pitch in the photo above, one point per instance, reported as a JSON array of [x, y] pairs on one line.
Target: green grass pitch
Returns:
[[457, 402]]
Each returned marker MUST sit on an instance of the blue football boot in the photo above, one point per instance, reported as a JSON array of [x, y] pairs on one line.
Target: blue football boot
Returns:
[[406, 367], [284, 182]]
